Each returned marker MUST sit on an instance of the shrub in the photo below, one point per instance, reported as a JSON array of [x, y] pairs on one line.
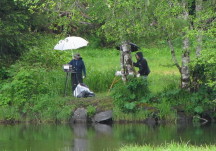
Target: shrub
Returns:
[[128, 96], [191, 102], [204, 71], [29, 83]]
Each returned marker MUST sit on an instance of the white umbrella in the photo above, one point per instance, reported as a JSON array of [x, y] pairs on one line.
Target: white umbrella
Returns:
[[72, 42]]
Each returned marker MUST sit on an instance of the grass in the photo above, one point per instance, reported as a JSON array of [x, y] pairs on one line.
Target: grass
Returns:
[[101, 65], [101, 101], [169, 147]]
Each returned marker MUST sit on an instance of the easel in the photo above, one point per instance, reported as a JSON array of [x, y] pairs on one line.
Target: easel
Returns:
[[66, 82], [68, 69], [68, 75]]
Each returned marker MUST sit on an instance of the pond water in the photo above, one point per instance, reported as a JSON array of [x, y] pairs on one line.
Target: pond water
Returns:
[[99, 137]]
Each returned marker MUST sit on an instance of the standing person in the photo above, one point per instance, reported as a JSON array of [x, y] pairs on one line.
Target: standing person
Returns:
[[142, 64], [79, 70]]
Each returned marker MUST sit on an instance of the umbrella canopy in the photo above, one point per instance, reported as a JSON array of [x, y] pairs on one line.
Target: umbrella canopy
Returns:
[[71, 43], [134, 47]]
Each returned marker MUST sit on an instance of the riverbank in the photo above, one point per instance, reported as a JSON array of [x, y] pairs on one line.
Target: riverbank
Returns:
[[150, 113], [170, 147]]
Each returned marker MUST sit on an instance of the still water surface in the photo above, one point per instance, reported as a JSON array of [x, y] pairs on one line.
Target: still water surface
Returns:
[[98, 137]]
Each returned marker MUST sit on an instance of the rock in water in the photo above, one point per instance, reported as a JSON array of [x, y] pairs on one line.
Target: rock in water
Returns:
[[102, 116], [79, 116]]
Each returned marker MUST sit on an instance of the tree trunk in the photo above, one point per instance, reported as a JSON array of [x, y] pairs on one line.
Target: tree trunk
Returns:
[[185, 72], [195, 74], [126, 61], [123, 70], [199, 28]]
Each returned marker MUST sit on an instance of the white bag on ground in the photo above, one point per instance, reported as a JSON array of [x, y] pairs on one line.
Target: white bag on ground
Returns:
[[83, 91]]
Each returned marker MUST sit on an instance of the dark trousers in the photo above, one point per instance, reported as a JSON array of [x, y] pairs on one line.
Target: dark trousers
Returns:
[[76, 78]]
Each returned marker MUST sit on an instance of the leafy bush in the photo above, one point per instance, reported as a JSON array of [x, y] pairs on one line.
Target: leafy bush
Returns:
[[191, 102], [127, 96], [204, 71], [9, 113], [28, 84]]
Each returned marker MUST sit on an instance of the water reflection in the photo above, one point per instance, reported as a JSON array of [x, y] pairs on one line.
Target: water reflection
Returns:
[[97, 137], [80, 137], [103, 129]]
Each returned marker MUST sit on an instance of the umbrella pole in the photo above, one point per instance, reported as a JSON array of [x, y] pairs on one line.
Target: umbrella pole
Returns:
[[72, 54]]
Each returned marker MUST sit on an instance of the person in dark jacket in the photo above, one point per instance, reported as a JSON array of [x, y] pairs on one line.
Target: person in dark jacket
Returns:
[[79, 70], [142, 64]]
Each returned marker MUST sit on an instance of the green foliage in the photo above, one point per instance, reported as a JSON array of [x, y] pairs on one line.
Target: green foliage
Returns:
[[27, 84], [91, 110], [168, 22], [40, 108], [127, 96], [3, 73], [203, 81], [127, 18], [16, 22], [173, 98], [165, 111], [141, 115], [9, 113], [33, 82], [204, 70]]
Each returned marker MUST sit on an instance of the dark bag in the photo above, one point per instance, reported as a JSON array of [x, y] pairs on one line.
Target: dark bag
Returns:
[[85, 94]]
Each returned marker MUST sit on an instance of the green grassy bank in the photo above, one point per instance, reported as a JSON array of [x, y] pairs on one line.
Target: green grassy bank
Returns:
[[169, 147]]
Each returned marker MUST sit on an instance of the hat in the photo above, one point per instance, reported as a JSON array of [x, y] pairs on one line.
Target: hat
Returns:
[[77, 56]]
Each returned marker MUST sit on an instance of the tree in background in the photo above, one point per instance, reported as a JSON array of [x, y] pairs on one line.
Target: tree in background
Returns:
[[18, 22], [121, 22], [179, 19], [14, 22]]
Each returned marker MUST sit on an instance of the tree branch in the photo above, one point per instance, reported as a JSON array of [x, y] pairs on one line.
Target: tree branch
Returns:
[[173, 55]]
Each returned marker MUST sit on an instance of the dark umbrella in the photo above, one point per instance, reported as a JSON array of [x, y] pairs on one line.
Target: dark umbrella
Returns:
[[134, 47]]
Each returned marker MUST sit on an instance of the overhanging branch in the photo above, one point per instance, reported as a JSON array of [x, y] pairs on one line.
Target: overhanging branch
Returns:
[[173, 55]]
